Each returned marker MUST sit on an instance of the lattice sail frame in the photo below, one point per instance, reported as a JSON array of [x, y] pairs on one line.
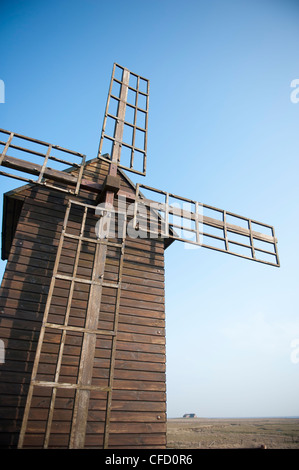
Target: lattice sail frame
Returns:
[[124, 132], [44, 152], [202, 225]]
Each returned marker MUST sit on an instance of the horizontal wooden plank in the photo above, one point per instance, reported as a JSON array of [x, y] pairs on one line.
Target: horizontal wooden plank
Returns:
[[138, 385], [23, 340], [18, 357], [36, 441], [10, 402], [35, 282], [140, 338], [130, 446], [134, 428], [16, 377], [25, 263], [104, 373], [124, 328], [39, 427], [27, 336], [67, 258], [95, 441], [151, 381], [136, 405], [18, 344], [18, 365], [23, 295], [145, 376], [80, 297], [119, 416], [118, 446], [45, 266], [8, 414], [94, 427], [136, 282], [136, 440], [21, 389], [70, 366], [142, 356], [22, 285], [14, 266], [47, 371], [34, 266], [30, 302], [14, 309], [141, 347]]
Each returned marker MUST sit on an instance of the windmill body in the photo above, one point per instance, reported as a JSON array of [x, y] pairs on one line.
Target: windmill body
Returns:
[[82, 298]]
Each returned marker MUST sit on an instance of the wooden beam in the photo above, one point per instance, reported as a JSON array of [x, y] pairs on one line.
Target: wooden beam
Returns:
[[78, 432], [216, 223], [55, 175]]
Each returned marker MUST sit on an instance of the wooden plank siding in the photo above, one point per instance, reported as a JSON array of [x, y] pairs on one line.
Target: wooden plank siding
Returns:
[[138, 417]]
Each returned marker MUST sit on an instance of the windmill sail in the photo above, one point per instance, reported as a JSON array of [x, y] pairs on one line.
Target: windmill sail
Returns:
[[203, 225], [25, 155], [124, 133]]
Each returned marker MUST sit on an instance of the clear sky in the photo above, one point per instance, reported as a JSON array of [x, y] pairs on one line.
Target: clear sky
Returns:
[[223, 130]]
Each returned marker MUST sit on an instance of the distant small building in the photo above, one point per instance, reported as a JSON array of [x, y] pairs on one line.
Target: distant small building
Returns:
[[190, 415]]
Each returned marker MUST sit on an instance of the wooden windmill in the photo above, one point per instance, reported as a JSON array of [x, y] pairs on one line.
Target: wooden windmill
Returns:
[[82, 297]]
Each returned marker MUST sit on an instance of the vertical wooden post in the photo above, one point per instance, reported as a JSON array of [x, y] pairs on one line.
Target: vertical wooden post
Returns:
[[80, 416], [119, 128], [78, 431], [6, 147]]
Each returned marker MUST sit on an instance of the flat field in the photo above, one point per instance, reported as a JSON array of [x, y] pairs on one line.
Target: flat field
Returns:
[[213, 433]]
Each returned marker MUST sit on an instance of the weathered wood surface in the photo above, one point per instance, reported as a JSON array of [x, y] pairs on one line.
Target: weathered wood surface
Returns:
[[138, 417]]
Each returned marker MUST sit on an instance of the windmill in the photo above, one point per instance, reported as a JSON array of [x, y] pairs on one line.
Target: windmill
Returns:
[[82, 298]]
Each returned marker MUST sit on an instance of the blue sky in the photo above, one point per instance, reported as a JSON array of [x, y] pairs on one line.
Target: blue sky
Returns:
[[222, 130]]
